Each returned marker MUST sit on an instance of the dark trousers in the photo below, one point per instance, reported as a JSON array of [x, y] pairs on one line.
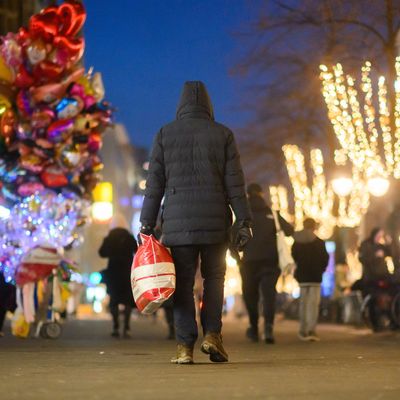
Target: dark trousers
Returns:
[[186, 259], [3, 313], [114, 310], [259, 276]]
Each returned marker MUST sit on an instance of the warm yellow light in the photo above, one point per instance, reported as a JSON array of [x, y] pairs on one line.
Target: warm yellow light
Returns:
[[103, 192], [102, 211], [378, 186], [342, 186]]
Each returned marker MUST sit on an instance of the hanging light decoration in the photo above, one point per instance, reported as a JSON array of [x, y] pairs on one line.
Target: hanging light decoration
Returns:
[[317, 201], [364, 133]]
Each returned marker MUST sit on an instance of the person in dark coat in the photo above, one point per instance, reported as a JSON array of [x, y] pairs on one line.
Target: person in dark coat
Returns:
[[119, 247], [195, 166], [7, 300], [259, 266], [372, 255], [311, 258]]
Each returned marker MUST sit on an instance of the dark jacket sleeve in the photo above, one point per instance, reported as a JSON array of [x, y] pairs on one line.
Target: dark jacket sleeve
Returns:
[[105, 249], [285, 226], [155, 184], [234, 181], [324, 256]]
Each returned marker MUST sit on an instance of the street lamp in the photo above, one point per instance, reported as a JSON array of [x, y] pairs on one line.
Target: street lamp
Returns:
[[378, 186], [342, 186]]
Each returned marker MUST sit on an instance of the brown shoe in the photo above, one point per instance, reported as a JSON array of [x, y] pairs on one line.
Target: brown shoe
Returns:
[[184, 354], [212, 345]]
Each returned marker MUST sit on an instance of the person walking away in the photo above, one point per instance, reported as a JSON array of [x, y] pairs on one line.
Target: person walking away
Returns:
[[195, 164], [259, 266], [375, 274], [119, 247], [311, 258], [7, 300]]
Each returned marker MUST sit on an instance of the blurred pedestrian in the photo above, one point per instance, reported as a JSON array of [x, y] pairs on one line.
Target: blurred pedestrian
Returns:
[[119, 247], [7, 300], [195, 164], [376, 278], [259, 266], [311, 258]]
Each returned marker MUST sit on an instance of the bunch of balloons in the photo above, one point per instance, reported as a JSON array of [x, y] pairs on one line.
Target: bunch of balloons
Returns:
[[52, 116]]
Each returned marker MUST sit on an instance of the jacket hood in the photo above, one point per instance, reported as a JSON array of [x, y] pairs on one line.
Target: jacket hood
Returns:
[[194, 102], [304, 236], [257, 203]]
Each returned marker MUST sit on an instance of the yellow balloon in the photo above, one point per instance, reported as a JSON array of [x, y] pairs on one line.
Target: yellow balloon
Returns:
[[6, 73]]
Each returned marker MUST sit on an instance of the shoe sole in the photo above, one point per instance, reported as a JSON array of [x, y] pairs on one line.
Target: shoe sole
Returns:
[[304, 338], [213, 352], [186, 361]]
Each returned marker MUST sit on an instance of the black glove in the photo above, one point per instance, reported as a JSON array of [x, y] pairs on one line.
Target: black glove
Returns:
[[243, 235], [146, 230]]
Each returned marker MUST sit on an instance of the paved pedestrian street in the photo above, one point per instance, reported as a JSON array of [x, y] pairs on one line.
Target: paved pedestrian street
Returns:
[[86, 363]]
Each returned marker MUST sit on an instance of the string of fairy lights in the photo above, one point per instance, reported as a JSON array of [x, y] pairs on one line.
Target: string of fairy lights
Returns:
[[360, 117], [318, 201], [363, 128]]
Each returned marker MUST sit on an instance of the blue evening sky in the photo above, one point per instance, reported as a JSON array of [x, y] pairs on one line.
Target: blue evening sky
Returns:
[[146, 49]]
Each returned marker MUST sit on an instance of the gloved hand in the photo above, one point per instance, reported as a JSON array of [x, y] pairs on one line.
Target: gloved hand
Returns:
[[146, 230], [243, 235]]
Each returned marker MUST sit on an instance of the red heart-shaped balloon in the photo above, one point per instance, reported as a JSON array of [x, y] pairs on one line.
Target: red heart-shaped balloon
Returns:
[[46, 24], [74, 47], [72, 15]]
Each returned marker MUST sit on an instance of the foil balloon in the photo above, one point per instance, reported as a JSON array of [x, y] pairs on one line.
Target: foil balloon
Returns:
[[24, 103], [94, 142], [46, 24], [69, 157], [7, 123], [36, 52], [59, 129], [6, 73], [42, 117], [54, 91], [47, 69], [73, 16], [29, 188], [71, 48], [23, 79], [53, 177], [4, 104], [68, 108], [32, 162], [11, 51], [98, 86], [24, 131]]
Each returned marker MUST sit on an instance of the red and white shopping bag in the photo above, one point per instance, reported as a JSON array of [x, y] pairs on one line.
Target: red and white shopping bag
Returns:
[[152, 275]]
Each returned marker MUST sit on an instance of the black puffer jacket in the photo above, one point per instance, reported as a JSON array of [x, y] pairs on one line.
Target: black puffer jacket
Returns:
[[263, 244], [310, 256], [195, 163]]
